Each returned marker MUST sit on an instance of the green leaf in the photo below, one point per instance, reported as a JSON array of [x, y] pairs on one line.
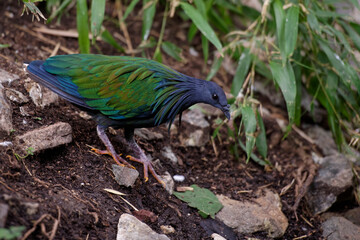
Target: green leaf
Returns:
[[61, 8], [249, 120], [355, 37], [313, 22], [291, 30], [241, 72], [201, 24], [13, 232], [328, 14], [4, 46], [342, 38], [192, 32], [215, 67], [285, 78], [205, 47], [280, 22], [97, 17], [356, 3], [107, 37], [261, 143], [254, 157], [129, 9], [148, 18], [202, 199], [172, 50], [82, 26]]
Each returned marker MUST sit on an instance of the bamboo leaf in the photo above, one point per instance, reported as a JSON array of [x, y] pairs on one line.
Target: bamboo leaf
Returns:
[[285, 78], [107, 37], [280, 20], [172, 50], [82, 26], [291, 30], [148, 18], [355, 37], [205, 47], [129, 9], [192, 32], [241, 72], [97, 17], [249, 119], [261, 143], [201, 24], [215, 67]]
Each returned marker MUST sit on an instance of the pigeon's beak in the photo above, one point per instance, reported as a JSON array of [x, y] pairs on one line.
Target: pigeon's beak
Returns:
[[226, 111]]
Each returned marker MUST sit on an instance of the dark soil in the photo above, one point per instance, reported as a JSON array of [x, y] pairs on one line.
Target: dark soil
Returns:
[[68, 182]]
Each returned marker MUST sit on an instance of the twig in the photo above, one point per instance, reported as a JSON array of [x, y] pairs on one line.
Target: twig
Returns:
[[44, 39], [304, 188], [56, 49], [302, 134], [31, 230], [123, 26]]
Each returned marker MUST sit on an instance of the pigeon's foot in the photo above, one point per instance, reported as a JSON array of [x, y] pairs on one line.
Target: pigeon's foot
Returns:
[[117, 158], [147, 167]]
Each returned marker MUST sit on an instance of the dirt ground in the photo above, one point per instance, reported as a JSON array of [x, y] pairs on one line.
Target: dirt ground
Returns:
[[68, 182]]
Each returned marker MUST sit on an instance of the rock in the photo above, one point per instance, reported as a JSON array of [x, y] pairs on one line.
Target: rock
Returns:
[[322, 138], [15, 96], [125, 176], [5, 113], [353, 215], [129, 227], [45, 137], [337, 228], [333, 178], [41, 96], [31, 208], [6, 77], [167, 229], [261, 214], [169, 154], [196, 118], [6, 144], [4, 209], [197, 132], [169, 182], [210, 110], [146, 134]]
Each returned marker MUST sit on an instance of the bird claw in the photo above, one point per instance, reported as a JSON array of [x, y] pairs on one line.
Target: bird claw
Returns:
[[116, 158], [147, 167]]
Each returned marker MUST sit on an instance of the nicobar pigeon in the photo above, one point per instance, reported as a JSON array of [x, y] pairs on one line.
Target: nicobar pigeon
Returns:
[[125, 92]]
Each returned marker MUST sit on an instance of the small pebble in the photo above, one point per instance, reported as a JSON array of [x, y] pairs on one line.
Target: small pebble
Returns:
[[179, 178], [167, 229]]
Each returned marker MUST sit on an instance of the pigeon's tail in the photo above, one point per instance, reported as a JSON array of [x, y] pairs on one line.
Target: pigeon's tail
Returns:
[[58, 84]]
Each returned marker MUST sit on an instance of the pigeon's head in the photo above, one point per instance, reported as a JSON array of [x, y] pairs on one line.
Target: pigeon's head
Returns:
[[214, 95]]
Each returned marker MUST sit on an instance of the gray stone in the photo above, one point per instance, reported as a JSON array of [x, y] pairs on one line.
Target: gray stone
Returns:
[[45, 137], [322, 138], [169, 154], [6, 78], [4, 209], [337, 228], [129, 227], [41, 96], [333, 178], [261, 214], [196, 118], [125, 176], [146, 134], [5, 113], [353, 215], [15, 96]]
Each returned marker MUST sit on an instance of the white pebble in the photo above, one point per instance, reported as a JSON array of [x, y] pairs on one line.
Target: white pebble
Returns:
[[179, 178]]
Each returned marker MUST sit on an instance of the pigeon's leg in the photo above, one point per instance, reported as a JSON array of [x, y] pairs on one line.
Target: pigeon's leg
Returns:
[[110, 148], [141, 157]]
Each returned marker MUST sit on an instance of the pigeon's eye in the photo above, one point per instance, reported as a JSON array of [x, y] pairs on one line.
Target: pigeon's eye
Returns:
[[215, 96]]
